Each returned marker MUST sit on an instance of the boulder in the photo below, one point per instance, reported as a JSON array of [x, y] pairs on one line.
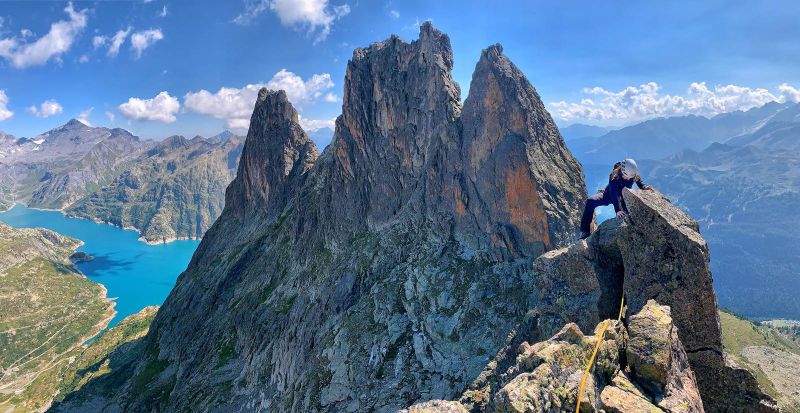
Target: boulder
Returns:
[[638, 368]]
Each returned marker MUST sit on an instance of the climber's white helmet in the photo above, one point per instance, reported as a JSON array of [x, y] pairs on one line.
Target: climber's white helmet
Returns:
[[629, 169]]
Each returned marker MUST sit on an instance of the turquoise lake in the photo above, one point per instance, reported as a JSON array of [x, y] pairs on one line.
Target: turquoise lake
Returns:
[[135, 274]]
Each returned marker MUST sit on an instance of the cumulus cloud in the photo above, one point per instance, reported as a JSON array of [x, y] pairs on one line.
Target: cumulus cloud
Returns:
[[83, 117], [313, 125], [162, 107], [143, 39], [312, 16], [236, 104], [46, 109], [57, 41], [298, 91], [4, 112], [331, 97], [646, 101], [789, 93]]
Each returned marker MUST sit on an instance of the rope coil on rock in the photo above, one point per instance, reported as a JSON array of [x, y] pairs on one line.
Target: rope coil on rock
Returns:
[[594, 354]]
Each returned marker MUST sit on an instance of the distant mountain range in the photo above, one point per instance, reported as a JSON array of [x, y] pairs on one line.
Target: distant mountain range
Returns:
[[580, 130], [738, 174], [167, 190], [745, 194], [174, 190], [662, 137]]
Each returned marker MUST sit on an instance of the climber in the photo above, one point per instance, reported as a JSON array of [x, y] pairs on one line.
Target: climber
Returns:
[[625, 173]]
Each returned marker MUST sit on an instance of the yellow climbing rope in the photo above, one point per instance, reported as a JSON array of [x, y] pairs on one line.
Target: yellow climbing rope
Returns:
[[594, 353]]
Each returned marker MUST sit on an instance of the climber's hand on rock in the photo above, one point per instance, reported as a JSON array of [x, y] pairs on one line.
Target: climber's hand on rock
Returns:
[[620, 214], [648, 187]]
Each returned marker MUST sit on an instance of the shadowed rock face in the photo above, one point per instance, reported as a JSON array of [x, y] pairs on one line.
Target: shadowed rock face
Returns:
[[387, 272], [277, 153]]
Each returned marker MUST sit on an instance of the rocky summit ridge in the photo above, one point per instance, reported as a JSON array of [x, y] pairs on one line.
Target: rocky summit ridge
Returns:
[[400, 264]]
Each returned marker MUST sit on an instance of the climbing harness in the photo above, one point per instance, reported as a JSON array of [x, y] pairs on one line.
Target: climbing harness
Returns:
[[594, 353]]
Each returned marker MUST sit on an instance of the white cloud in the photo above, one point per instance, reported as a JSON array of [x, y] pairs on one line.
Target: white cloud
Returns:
[[645, 101], [331, 97], [57, 41], [25, 33], [394, 13], [117, 41], [4, 112], [309, 15], [83, 117], [162, 107], [111, 117], [144, 39], [99, 41], [313, 125], [83, 59], [163, 12], [238, 123], [298, 91], [789, 93], [46, 109], [236, 104]]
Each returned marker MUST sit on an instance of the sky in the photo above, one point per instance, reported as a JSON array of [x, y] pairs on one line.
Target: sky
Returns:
[[159, 68]]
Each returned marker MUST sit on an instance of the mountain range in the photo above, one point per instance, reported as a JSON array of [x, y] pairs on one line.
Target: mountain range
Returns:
[[428, 260], [662, 137], [166, 190]]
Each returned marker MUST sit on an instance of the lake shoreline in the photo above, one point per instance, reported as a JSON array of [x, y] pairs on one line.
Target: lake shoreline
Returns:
[[142, 239], [136, 273]]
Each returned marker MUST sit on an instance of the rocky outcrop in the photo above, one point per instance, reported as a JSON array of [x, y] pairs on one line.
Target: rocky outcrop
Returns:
[[371, 278], [546, 376], [656, 253]]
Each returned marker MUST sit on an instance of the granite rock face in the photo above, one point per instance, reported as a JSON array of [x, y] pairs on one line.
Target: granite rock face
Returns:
[[386, 271], [656, 254], [276, 157], [546, 376]]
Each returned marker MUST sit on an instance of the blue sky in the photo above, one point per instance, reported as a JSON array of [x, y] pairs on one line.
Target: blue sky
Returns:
[[607, 63]]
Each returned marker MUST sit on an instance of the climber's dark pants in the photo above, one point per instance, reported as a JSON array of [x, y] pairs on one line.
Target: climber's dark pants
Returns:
[[594, 201]]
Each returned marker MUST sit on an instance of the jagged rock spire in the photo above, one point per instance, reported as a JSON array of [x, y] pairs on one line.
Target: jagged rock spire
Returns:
[[528, 187], [277, 151], [399, 103]]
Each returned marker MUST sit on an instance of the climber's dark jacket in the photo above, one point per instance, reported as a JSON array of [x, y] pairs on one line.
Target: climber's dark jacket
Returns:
[[611, 195], [613, 191]]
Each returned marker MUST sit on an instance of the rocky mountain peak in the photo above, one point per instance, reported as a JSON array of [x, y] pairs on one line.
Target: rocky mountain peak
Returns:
[[514, 154], [400, 106], [73, 124], [276, 154]]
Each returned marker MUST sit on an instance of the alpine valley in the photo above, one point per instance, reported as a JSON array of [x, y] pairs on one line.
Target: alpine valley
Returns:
[[167, 190]]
